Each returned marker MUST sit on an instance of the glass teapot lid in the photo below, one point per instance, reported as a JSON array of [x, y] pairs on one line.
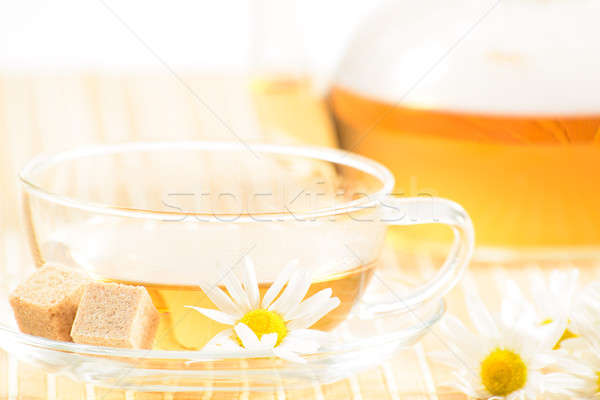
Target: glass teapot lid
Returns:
[[514, 56]]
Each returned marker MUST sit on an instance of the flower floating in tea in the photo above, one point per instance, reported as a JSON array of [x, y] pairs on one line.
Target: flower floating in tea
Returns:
[[279, 322], [505, 359]]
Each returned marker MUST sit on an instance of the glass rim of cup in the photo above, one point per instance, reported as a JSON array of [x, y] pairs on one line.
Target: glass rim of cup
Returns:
[[336, 156]]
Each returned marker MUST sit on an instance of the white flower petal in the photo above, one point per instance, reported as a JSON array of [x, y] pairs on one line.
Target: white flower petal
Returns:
[[299, 345], [280, 281], [220, 299], [221, 338], [554, 296], [574, 345], [226, 333], [310, 320], [311, 334], [534, 384], [307, 306], [269, 340], [293, 293], [230, 345], [460, 338], [538, 283], [574, 366], [237, 293], [516, 310], [480, 316], [550, 333], [287, 354], [250, 283], [446, 358], [564, 284], [307, 340], [247, 336], [586, 315], [586, 325], [566, 385], [462, 385], [542, 360], [516, 395], [215, 315]]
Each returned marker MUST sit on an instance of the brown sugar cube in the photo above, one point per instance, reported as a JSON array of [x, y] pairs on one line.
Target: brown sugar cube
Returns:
[[115, 315], [46, 303]]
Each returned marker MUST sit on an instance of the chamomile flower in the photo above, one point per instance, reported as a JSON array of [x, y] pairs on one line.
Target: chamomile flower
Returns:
[[504, 359], [278, 322]]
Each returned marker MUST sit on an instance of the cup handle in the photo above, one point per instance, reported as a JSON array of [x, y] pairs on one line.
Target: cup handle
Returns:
[[431, 210]]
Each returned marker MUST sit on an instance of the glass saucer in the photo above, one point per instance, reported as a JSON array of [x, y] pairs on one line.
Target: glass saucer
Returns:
[[369, 336]]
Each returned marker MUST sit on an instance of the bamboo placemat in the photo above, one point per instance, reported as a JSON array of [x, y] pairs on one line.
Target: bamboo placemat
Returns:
[[54, 112]]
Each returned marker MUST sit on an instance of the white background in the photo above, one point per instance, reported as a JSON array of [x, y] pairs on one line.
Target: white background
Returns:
[[308, 35]]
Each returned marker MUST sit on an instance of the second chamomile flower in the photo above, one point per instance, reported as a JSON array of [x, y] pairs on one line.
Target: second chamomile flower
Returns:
[[503, 359]]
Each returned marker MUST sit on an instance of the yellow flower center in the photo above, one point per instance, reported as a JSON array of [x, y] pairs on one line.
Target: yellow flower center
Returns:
[[567, 334], [598, 382], [263, 322], [503, 372]]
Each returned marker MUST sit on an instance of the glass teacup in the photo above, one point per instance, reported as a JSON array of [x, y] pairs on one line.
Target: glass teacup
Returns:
[[170, 215]]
